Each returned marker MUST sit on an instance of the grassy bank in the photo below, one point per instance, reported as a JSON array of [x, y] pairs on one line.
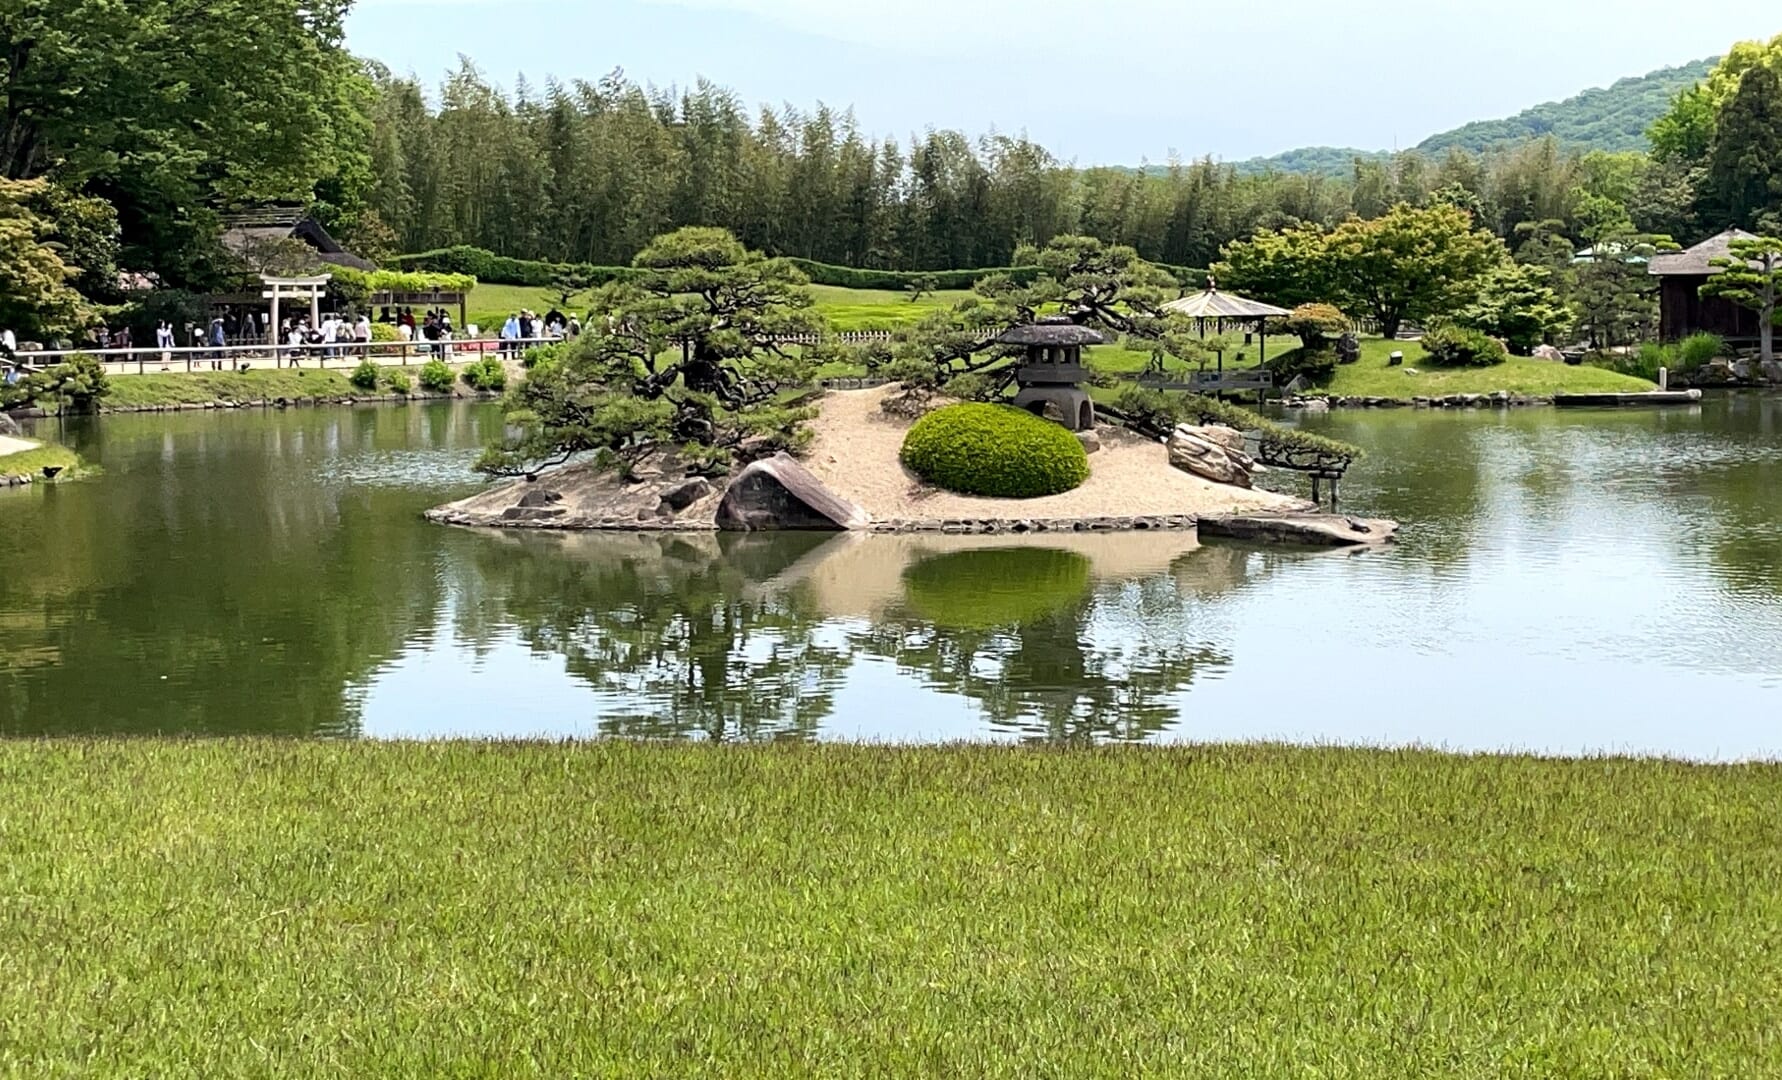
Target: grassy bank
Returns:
[[48, 456], [283, 909], [201, 387], [1371, 377]]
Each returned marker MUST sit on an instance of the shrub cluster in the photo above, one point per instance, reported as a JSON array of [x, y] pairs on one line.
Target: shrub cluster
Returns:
[[436, 378], [486, 374], [1697, 350], [1455, 346], [994, 450], [1317, 363], [364, 377], [398, 381]]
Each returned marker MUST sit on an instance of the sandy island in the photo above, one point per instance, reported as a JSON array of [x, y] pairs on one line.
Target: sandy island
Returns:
[[855, 454]]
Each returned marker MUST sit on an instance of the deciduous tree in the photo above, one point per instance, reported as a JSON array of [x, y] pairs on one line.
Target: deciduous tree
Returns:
[[1409, 264], [36, 294]]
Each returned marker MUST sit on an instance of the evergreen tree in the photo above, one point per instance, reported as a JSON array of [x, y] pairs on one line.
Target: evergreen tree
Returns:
[[1744, 178]]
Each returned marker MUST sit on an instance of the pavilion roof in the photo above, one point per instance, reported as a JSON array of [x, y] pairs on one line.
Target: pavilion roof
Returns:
[[1698, 261], [1213, 304]]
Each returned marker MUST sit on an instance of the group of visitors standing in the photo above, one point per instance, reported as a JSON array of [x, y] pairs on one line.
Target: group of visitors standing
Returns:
[[526, 326]]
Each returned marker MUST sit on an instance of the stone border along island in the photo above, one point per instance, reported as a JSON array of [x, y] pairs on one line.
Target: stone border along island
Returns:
[[852, 480]]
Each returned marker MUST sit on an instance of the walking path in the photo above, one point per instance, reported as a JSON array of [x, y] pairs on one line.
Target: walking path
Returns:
[[10, 445]]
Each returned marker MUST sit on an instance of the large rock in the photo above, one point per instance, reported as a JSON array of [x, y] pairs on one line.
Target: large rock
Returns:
[[1772, 370], [779, 494], [1315, 529], [8, 426], [1213, 454], [681, 496], [1548, 352]]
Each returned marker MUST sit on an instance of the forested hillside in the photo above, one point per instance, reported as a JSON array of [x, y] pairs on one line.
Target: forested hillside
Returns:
[[1612, 119]]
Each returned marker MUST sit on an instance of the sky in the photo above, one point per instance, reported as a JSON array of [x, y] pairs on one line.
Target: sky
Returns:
[[1095, 81]]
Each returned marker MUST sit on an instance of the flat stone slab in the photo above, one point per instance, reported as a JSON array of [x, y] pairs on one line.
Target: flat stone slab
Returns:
[[1619, 401], [1318, 530]]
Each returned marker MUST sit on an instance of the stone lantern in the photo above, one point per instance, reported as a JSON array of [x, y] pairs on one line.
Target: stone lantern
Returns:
[[1052, 371]]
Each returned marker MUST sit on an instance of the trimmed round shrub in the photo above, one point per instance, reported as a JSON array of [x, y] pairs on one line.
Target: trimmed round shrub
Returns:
[[436, 378], [364, 377], [1458, 347], [398, 381], [994, 450]]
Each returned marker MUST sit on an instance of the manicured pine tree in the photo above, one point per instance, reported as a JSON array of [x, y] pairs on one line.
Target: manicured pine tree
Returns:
[[1752, 276]]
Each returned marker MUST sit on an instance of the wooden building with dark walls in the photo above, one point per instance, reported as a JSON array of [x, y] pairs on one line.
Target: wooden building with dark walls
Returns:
[[1683, 310]]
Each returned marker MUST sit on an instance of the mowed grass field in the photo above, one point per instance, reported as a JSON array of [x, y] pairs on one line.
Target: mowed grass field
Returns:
[[280, 909], [1372, 377], [200, 387], [846, 309]]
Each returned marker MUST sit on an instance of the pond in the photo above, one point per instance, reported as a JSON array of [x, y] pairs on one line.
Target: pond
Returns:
[[1567, 583]]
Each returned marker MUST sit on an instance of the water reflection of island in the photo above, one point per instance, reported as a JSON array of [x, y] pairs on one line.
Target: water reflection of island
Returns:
[[1072, 637]]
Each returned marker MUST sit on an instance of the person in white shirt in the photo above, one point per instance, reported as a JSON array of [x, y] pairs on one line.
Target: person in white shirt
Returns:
[[330, 334], [9, 342], [405, 332]]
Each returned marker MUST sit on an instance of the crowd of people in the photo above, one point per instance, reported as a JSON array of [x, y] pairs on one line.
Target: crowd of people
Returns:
[[329, 337], [526, 326]]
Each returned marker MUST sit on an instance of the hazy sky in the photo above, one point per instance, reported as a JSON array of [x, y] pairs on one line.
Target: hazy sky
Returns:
[[1097, 81]]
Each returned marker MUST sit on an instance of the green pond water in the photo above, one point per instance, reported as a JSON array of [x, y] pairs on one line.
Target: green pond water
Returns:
[[1567, 583]]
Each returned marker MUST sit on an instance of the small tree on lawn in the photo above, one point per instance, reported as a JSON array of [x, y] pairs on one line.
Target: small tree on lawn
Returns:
[[686, 353], [1752, 276], [1517, 305]]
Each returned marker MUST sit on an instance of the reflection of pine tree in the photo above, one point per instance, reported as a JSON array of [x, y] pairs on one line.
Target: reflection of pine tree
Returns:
[[1050, 676], [678, 629]]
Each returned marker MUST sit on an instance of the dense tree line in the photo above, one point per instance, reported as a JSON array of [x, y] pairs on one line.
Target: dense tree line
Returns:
[[187, 111]]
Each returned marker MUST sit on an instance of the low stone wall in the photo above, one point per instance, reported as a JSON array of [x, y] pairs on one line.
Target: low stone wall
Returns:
[[1018, 526], [1502, 399], [298, 403], [551, 518]]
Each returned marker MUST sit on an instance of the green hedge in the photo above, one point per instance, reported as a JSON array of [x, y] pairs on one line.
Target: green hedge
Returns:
[[493, 269], [995, 450], [847, 277]]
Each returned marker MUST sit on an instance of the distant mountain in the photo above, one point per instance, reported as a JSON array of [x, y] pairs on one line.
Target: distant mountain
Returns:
[[1598, 119]]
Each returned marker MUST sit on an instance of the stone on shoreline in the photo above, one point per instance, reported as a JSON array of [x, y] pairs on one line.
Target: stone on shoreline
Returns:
[[779, 494], [1321, 530], [1212, 453]]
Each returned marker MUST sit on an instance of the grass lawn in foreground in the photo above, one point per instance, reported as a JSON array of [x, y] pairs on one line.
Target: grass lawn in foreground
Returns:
[[286, 909], [199, 387], [1370, 377]]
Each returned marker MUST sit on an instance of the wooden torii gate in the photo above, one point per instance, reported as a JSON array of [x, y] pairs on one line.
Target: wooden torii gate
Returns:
[[302, 288]]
